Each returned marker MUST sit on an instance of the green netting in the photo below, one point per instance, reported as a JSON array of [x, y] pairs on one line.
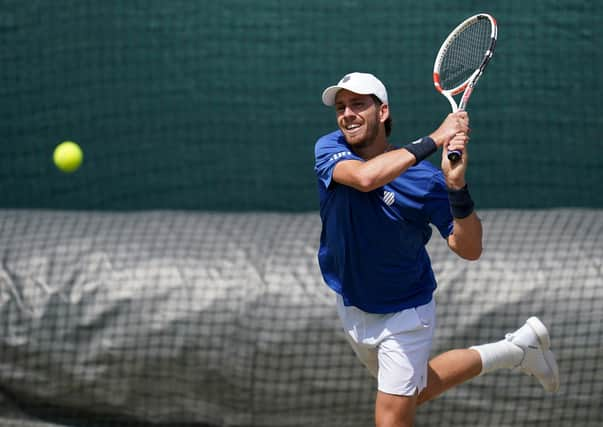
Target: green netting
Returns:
[[215, 105]]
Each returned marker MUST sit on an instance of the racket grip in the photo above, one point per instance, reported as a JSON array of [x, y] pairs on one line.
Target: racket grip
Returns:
[[454, 155]]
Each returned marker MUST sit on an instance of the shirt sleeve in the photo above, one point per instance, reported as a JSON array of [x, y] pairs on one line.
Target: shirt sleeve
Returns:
[[330, 150], [437, 206]]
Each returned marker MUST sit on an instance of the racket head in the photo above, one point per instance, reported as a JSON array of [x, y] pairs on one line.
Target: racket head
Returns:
[[464, 55]]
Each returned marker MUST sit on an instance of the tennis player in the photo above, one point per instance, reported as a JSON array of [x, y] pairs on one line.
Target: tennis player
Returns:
[[377, 202]]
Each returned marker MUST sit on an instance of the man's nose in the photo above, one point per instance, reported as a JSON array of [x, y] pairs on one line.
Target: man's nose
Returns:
[[347, 111]]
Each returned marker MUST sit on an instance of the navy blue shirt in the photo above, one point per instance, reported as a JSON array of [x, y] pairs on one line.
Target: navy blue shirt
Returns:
[[372, 244]]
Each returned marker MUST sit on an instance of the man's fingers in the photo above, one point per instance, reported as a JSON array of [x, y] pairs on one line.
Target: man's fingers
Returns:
[[458, 142]]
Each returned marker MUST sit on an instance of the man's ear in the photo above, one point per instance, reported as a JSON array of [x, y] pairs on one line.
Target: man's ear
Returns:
[[383, 113]]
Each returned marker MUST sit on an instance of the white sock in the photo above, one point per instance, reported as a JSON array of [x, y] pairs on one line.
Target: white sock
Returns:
[[498, 355]]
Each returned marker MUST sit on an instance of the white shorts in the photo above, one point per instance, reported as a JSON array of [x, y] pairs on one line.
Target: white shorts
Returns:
[[395, 347]]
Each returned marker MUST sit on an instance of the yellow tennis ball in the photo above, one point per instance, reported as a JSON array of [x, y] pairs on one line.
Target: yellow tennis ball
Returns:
[[68, 156]]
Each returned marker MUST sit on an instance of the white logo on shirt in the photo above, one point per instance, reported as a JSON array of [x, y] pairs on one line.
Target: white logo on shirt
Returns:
[[389, 198], [339, 155]]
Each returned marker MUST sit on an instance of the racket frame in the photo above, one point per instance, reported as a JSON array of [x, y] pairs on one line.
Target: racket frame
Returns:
[[467, 86]]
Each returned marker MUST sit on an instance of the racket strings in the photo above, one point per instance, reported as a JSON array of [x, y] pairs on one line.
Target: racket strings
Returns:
[[465, 54]]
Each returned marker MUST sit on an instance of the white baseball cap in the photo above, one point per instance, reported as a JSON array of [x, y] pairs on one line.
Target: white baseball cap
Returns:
[[360, 83]]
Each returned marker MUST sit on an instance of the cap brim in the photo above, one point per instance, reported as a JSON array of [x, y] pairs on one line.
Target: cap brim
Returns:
[[329, 94]]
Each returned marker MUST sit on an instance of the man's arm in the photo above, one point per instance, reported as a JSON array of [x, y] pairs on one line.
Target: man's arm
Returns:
[[374, 173], [466, 237], [384, 168]]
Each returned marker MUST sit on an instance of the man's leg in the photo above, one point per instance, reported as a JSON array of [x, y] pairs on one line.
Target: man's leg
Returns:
[[395, 411], [403, 360], [397, 364], [527, 348], [448, 370], [444, 372]]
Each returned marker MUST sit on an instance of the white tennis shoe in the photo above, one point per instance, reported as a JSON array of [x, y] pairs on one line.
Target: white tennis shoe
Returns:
[[538, 360]]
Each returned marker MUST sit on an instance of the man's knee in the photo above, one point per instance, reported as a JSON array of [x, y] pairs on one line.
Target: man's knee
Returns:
[[395, 411]]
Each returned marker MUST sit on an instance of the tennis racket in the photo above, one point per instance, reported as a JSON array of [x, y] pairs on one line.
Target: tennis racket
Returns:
[[462, 59]]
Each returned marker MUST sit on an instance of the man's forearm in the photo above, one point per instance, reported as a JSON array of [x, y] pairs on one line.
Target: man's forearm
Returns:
[[466, 238]]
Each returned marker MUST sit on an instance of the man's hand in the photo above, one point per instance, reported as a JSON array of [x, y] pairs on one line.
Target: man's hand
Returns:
[[453, 134], [452, 125], [454, 172]]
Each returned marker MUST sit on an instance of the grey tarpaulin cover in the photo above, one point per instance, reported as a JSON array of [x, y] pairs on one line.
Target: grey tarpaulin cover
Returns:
[[182, 318]]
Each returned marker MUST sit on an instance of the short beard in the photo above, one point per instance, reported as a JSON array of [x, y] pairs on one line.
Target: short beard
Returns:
[[371, 137]]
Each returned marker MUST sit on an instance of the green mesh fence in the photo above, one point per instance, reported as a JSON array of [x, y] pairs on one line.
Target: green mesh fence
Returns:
[[216, 105]]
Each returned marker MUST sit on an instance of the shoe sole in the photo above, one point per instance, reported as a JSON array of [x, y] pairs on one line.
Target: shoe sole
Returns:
[[545, 342]]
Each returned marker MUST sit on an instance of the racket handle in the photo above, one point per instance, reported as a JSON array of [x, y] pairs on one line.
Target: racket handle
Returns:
[[454, 155]]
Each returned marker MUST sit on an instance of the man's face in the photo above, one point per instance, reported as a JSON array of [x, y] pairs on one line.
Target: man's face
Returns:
[[358, 117]]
